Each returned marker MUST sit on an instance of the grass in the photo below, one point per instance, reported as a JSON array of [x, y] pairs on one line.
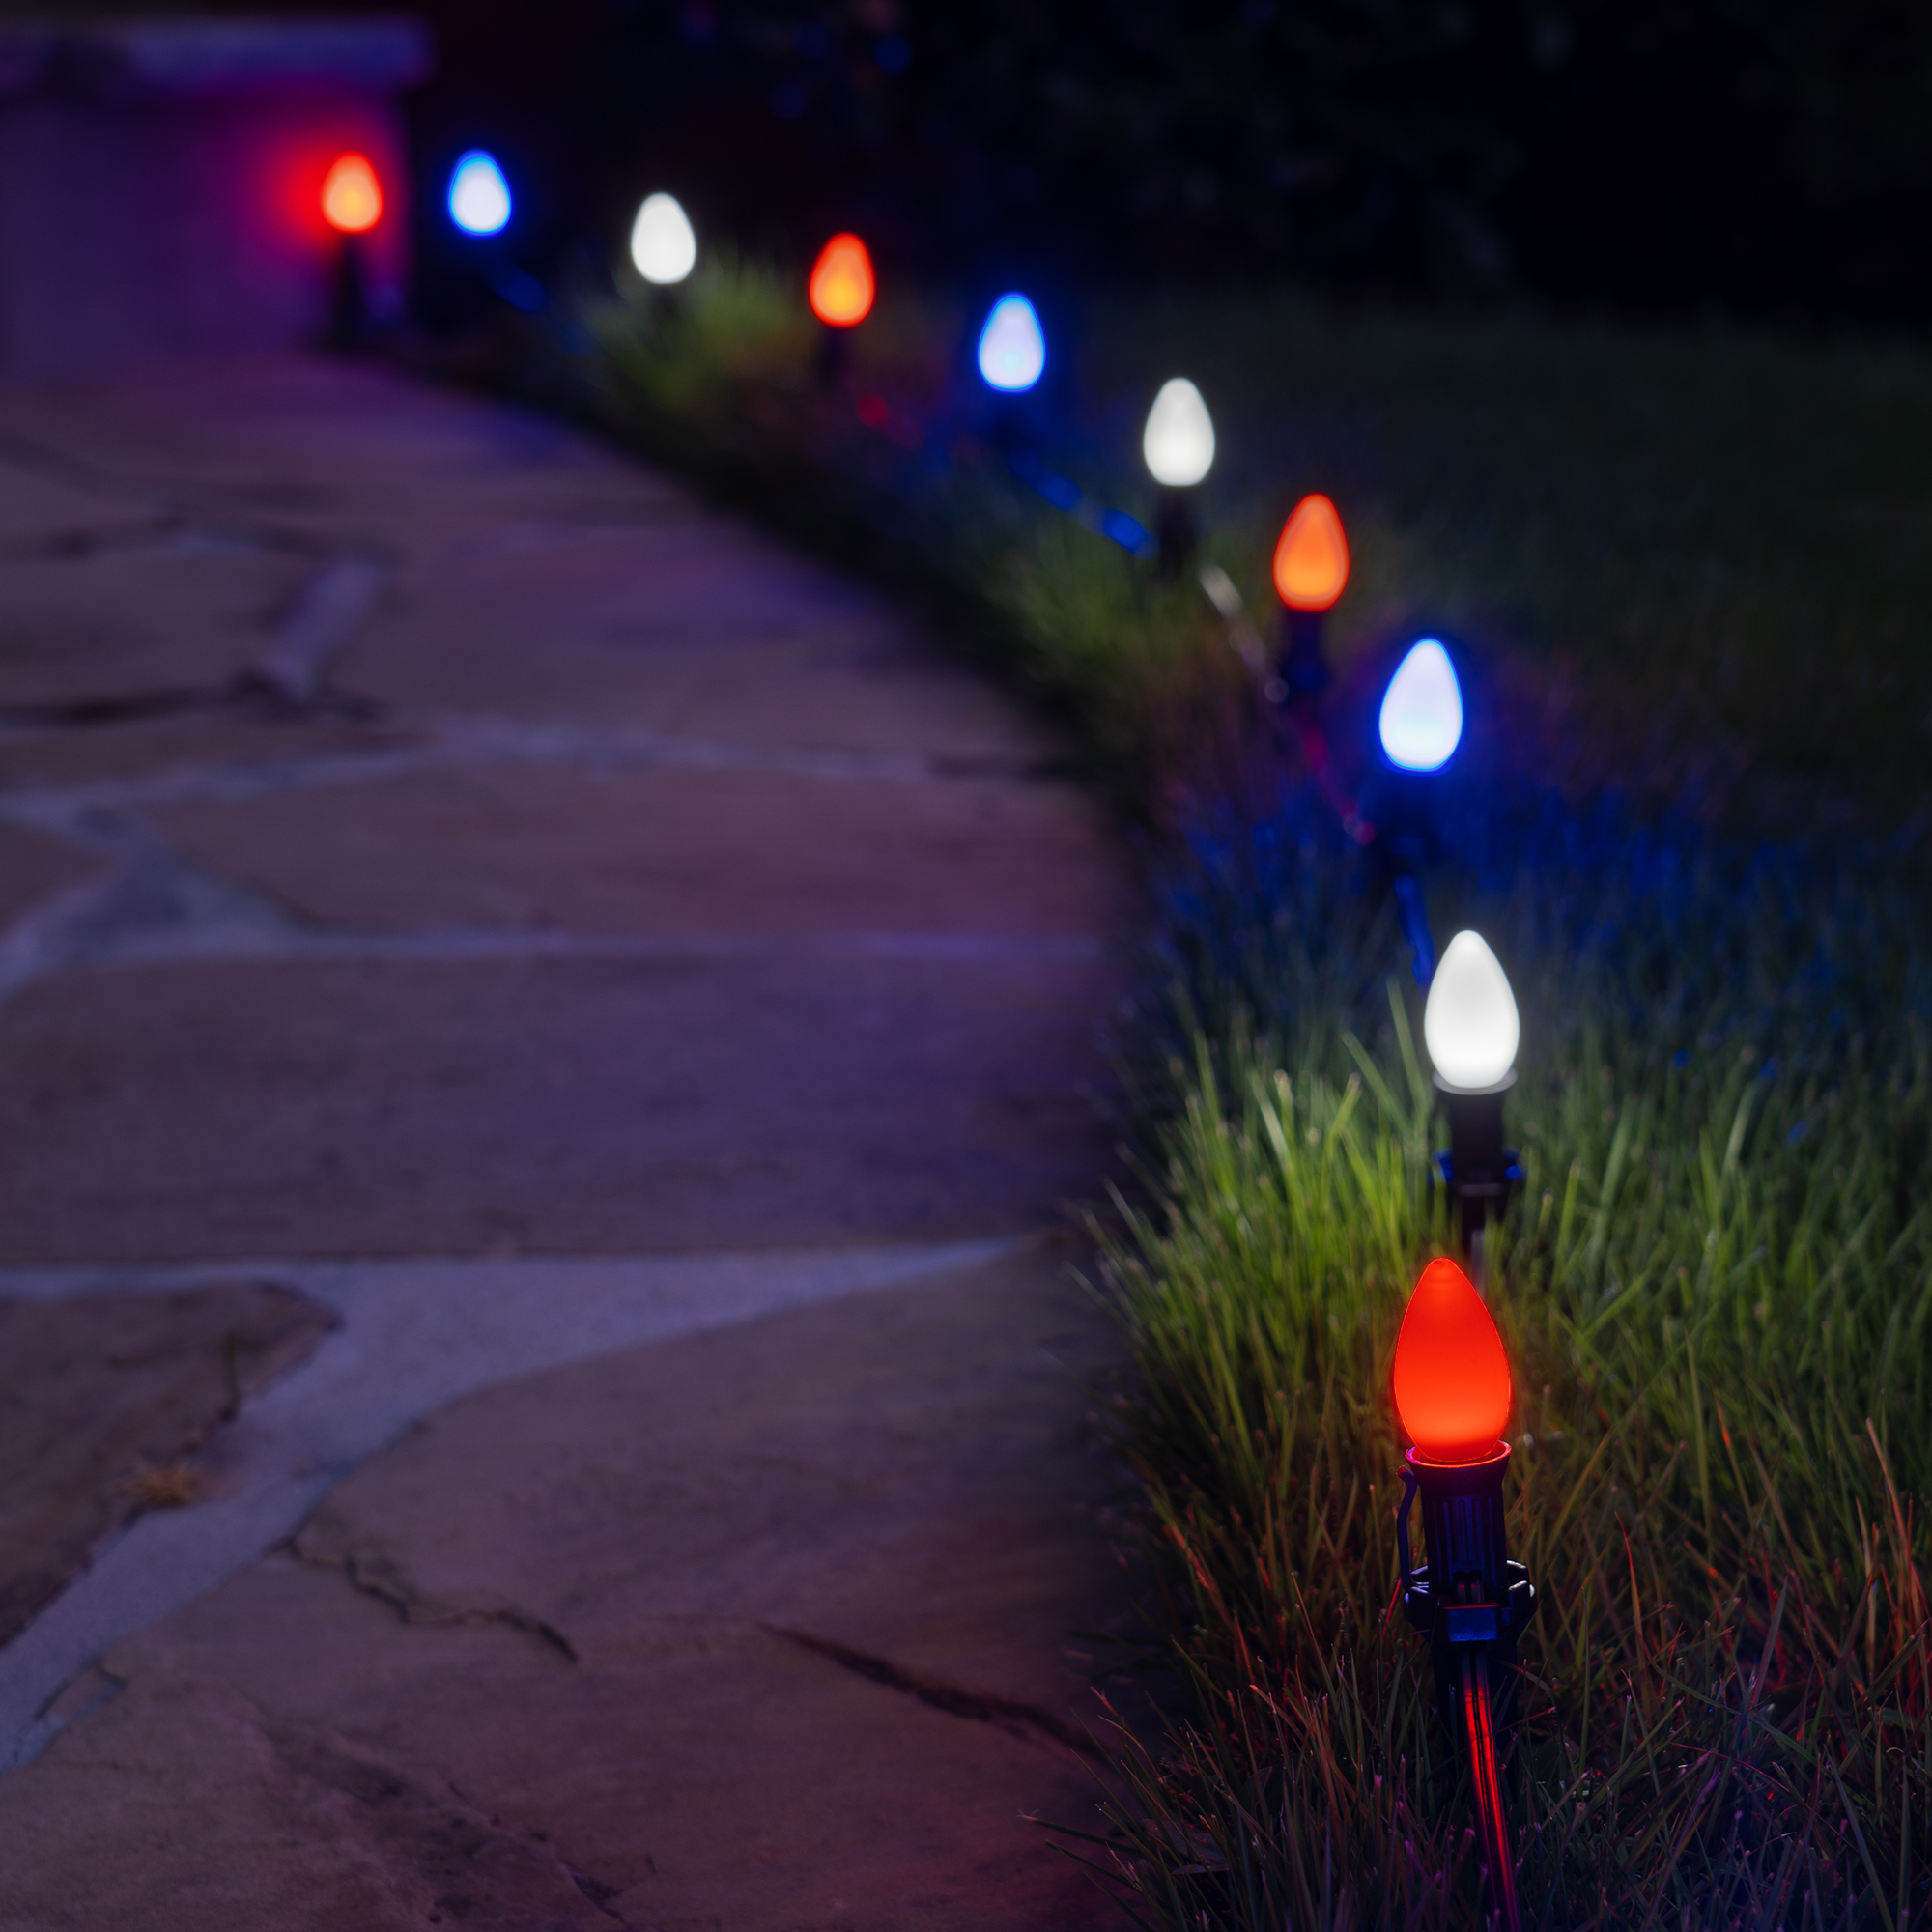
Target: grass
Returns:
[[719, 381], [1683, 563], [1715, 543], [1719, 1317], [1691, 557]]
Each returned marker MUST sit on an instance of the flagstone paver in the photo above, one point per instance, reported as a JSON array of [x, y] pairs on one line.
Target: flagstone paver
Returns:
[[428, 839]]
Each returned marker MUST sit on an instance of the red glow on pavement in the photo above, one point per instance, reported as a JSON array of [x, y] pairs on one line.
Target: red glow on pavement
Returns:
[[842, 286], [1452, 1379], [352, 197], [1311, 561]]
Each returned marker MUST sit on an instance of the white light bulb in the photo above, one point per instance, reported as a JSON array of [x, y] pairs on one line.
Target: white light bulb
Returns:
[[1421, 710], [1013, 350], [1178, 441], [479, 197], [662, 242], [1469, 1022]]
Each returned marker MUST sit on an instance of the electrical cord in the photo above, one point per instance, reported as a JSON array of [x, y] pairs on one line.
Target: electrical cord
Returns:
[[1479, 1719]]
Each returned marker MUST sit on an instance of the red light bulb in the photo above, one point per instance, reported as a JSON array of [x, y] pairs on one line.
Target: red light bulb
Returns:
[[842, 285], [1311, 559], [352, 197], [1452, 1379]]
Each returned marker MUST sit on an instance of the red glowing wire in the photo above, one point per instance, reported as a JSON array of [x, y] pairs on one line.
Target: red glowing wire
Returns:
[[1493, 1825]]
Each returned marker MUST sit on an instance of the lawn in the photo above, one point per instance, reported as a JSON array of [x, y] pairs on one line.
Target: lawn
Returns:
[[1692, 557], [1688, 578], [1718, 545]]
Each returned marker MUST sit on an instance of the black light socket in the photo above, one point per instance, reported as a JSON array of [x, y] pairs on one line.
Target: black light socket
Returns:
[[1404, 806], [1479, 1172], [1176, 528], [351, 325], [1304, 665], [833, 360], [1469, 1592]]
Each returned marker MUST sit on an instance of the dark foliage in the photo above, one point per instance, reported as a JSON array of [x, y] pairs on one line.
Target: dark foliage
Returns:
[[1761, 155]]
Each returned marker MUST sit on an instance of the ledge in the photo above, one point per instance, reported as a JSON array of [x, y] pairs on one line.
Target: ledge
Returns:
[[136, 59]]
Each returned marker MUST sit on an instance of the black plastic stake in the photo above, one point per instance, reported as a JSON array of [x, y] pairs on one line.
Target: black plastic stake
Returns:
[[1471, 1602]]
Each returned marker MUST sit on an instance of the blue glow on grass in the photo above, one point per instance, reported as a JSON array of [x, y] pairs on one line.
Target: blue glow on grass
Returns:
[[1062, 492], [1421, 710], [519, 290], [479, 197], [1012, 350], [1128, 532]]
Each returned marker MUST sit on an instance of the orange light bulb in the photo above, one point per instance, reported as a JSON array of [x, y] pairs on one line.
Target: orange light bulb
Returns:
[[1311, 561], [352, 197], [1452, 1379], [842, 285]]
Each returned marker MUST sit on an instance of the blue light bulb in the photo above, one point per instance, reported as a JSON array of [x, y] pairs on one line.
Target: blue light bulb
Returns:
[[479, 197], [1013, 350], [1421, 710]]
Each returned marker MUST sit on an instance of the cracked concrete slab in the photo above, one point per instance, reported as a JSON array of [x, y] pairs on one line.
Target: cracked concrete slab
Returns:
[[37, 511], [99, 1388], [667, 851], [536, 573], [35, 869], [215, 738], [900, 1475], [409, 1337], [865, 690], [76, 629], [641, 991], [617, 1105]]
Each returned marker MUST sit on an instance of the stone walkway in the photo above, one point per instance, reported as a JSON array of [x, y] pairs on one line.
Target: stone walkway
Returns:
[[543, 1041]]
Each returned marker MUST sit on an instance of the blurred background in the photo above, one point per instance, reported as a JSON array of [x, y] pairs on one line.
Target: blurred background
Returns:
[[1643, 156], [1602, 323]]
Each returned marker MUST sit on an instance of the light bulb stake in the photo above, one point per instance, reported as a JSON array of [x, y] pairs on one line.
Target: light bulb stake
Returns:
[[1476, 1170], [1304, 668], [1403, 803], [833, 361], [665, 302], [1471, 1601], [351, 324], [1177, 527], [1008, 419]]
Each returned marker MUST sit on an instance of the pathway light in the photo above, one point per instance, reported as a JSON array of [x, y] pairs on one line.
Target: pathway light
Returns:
[[1452, 1378], [352, 205], [1311, 571], [1420, 725], [1451, 1395], [1013, 347], [352, 195], [840, 293], [1311, 557], [1470, 1024], [664, 246], [1471, 1028], [479, 196], [842, 285], [1178, 444], [1421, 719], [1179, 441]]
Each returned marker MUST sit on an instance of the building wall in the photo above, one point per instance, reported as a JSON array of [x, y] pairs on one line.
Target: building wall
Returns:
[[163, 199]]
